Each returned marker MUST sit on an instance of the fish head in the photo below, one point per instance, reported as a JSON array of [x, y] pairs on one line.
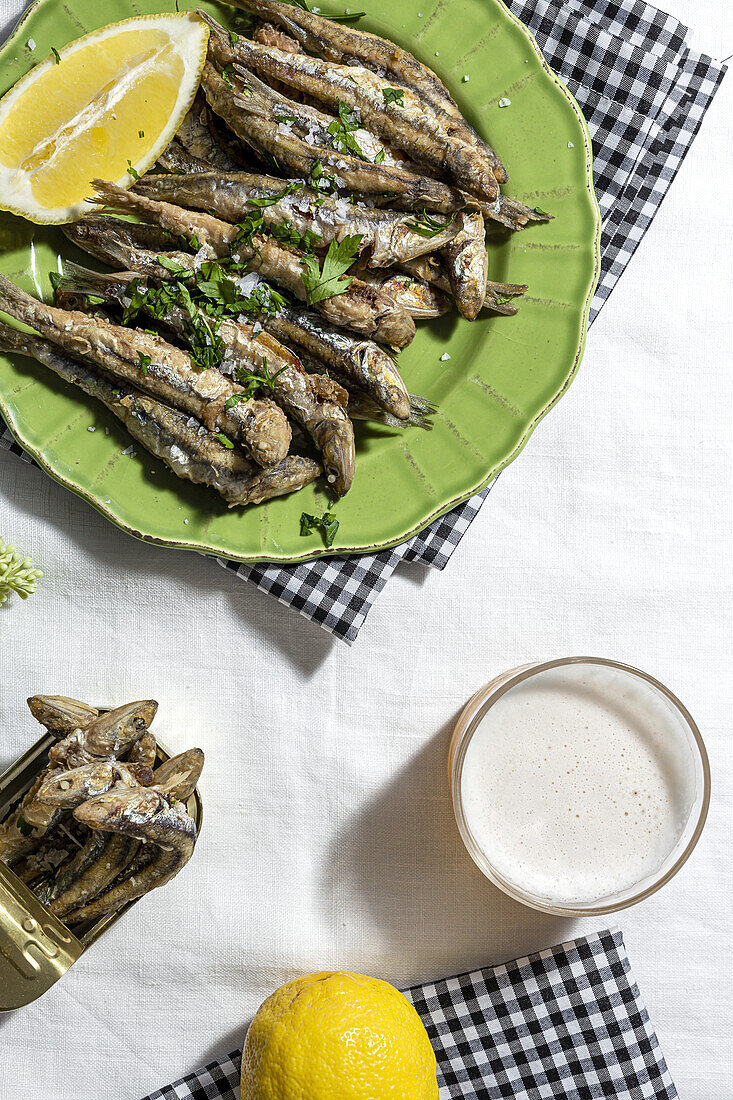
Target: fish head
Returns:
[[70, 787], [122, 809]]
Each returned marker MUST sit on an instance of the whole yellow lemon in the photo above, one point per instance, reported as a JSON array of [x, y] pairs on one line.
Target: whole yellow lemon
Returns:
[[338, 1036]]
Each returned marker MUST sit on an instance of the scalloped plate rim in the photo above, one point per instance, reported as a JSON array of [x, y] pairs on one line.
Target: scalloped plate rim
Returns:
[[314, 554]]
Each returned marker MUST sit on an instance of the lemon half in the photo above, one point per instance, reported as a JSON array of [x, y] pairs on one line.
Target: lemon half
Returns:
[[338, 1036], [115, 95]]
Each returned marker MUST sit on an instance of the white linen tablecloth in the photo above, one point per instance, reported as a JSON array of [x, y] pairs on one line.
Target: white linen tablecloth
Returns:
[[328, 838]]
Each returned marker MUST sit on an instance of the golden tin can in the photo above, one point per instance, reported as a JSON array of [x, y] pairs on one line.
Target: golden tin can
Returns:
[[36, 948]]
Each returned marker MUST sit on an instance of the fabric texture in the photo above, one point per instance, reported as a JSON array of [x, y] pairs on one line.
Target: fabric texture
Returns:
[[567, 1022], [644, 93]]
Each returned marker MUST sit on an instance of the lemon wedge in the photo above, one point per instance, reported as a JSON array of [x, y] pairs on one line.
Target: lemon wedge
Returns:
[[105, 107]]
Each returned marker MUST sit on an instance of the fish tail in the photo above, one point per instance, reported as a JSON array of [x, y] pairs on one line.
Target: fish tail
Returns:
[[119, 199]]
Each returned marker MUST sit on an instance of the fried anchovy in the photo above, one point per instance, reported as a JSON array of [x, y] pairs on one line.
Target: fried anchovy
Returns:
[[253, 119], [190, 450], [389, 235], [426, 132], [419, 299], [60, 714], [468, 264], [197, 139], [313, 401], [362, 360], [178, 776], [71, 788], [106, 736], [362, 406], [148, 815], [341, 44], [431, 269], [161, 370], [359, 306]]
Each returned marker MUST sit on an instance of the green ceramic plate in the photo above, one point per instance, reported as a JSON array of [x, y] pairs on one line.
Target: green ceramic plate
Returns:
[[503, 375]]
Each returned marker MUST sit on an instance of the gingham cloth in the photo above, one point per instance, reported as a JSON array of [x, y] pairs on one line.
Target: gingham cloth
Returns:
[[644, 94], [568, 1022]]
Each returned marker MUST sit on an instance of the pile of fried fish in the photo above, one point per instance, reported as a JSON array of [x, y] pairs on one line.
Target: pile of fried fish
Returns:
[[102, 824], [323, 192]]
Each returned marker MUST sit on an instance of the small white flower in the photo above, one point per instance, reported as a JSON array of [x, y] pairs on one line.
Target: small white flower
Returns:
[[504, 102]]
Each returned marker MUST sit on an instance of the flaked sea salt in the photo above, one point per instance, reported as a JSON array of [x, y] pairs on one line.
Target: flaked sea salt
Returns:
[[504, 102], [31, 43], [466, 78], [444, 357], [571, 145], [129, 451]]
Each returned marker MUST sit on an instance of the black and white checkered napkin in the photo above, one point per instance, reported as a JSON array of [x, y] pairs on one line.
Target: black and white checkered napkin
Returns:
[[568, 1022], [644, 94]]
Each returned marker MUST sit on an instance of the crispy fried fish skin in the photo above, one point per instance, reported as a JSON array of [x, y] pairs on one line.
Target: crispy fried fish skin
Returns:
[[254, 120], [178, 776], [360, 359], [427, 133], [341, 44], [312, 400], [388, 234], [468, 264], [161, 370], [146, 814], [360, 306]]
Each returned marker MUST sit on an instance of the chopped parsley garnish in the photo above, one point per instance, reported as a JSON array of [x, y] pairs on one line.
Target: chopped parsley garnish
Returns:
[[56, 54], [342, 131], [346, 18], [227, 73], [379, 159], [144, 362], [24, 828], [425, 226], [328, 281], [233, 37], [327, 524], [171, 265], [393, 95], [225, 441], [141, 133], [133, 171], [253, 381], [270, 200], [541, 212]]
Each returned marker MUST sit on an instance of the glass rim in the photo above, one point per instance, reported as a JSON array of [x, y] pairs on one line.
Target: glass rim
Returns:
[[466, 725]]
